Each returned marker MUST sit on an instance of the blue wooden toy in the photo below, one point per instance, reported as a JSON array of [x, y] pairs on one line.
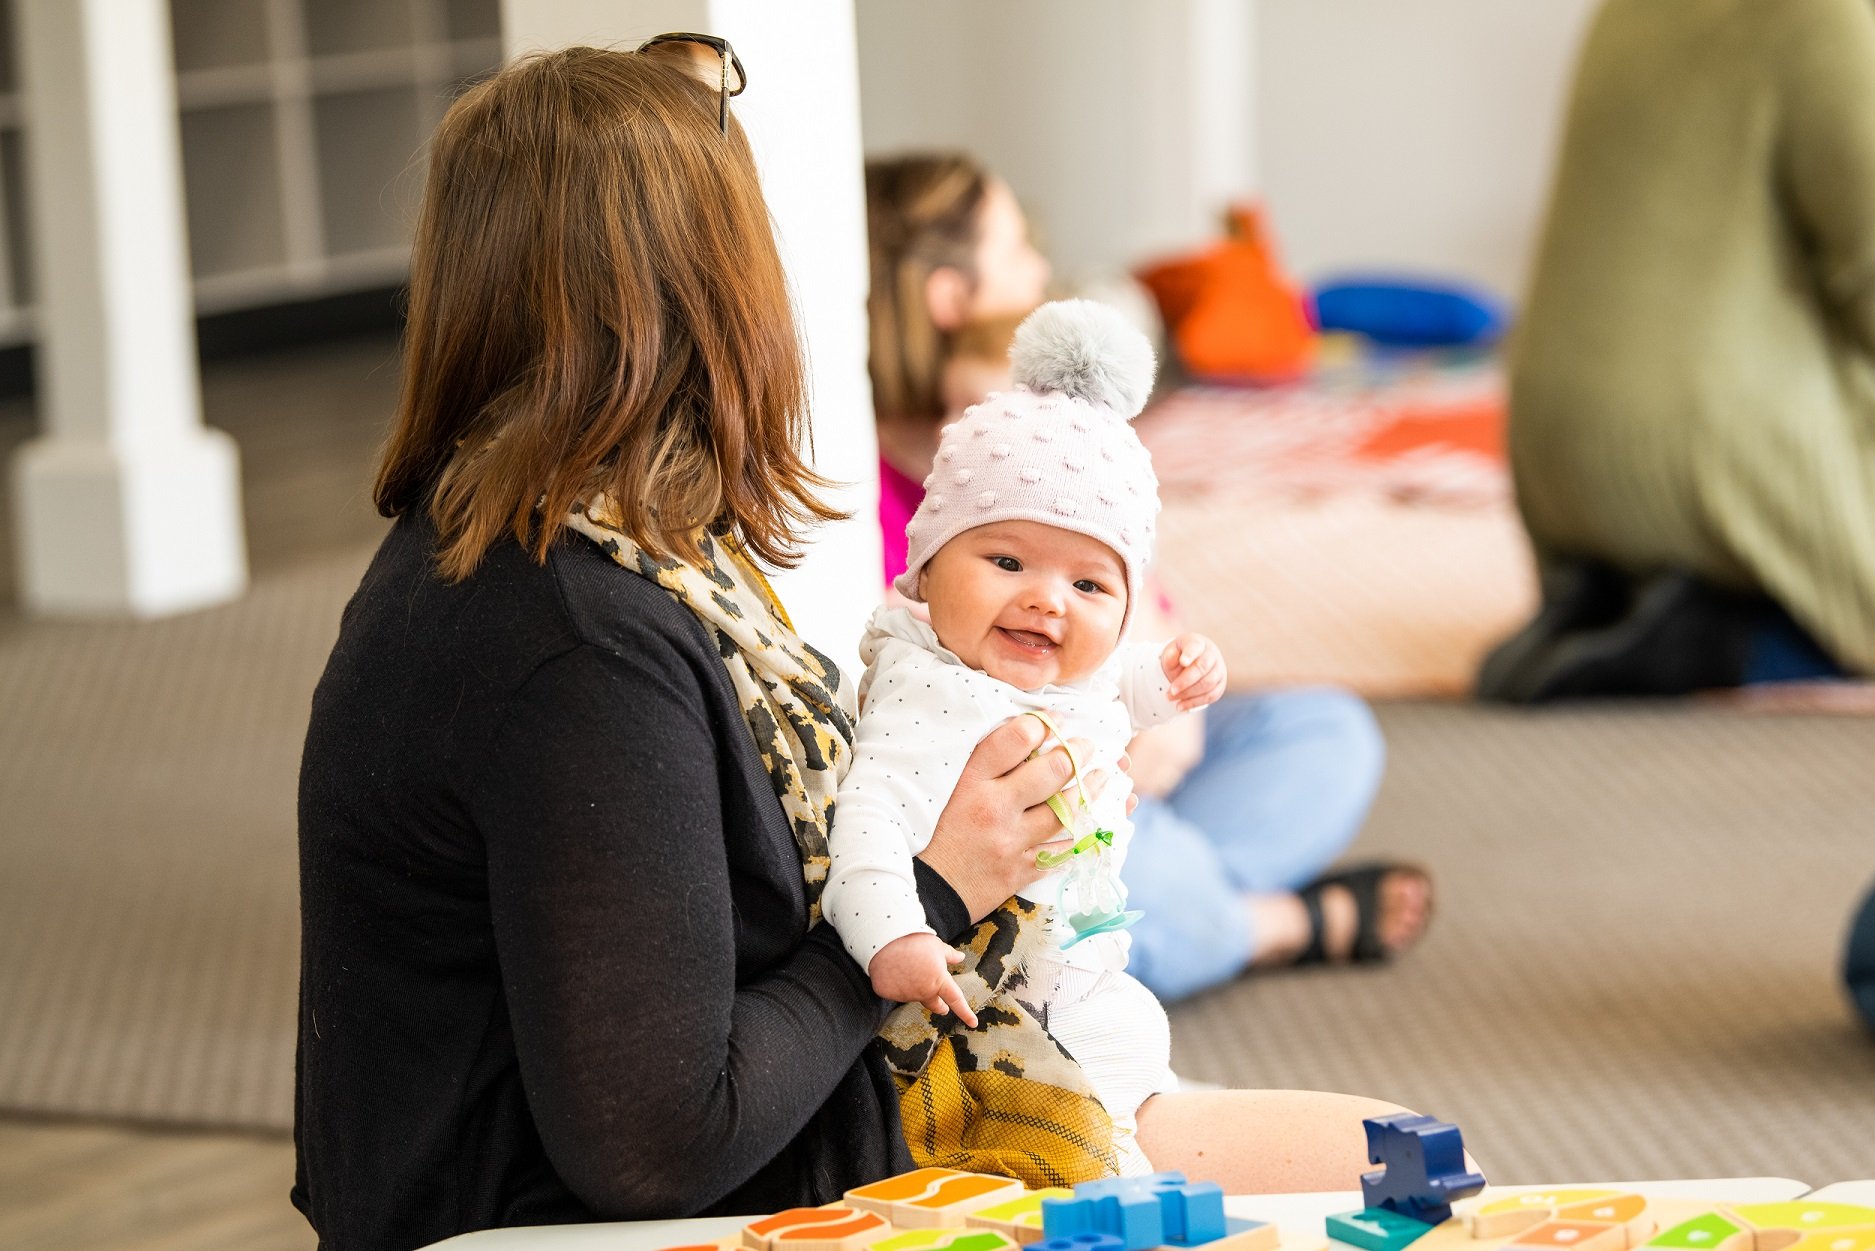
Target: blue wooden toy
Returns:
[[1134, 1219], [1161, 1209], [1077, 1242], [1422, 1167]]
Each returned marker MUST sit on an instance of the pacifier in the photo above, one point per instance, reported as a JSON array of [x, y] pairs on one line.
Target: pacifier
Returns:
[[1092, 899]]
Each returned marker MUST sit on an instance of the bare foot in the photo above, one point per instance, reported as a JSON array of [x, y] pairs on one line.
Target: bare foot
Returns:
[[1403, 904]]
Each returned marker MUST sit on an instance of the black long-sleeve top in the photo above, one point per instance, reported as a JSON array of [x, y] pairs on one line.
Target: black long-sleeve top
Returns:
[[555, 960]]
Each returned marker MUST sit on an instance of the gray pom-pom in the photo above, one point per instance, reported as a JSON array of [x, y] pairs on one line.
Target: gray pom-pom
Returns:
[[1085, 350]]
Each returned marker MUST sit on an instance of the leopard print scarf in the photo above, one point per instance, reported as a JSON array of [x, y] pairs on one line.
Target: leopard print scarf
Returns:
[[796, 702], [1002, 1098]]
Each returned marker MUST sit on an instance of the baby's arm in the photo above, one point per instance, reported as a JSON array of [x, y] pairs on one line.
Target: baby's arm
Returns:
[[918, 729], [1195, 667], [1159, 681], [916, 969]]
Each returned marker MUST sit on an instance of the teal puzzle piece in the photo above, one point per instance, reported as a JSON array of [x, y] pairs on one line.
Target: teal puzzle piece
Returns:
[[1376, 1229]]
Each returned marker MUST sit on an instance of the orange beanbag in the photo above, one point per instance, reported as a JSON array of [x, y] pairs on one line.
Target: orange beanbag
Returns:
[[1232, 314]]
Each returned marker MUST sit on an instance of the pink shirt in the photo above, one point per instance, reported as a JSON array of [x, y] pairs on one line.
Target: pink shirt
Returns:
[[899, 497]]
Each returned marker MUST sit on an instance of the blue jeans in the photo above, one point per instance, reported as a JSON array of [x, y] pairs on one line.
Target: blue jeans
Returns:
[[1286, 780]]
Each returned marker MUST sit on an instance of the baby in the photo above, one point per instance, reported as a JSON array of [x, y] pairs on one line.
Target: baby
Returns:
[[1029, 550]]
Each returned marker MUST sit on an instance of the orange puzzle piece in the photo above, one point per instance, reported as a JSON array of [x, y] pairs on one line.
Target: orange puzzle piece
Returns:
[[879, 1196], [815, 1229], [1571, 1236]]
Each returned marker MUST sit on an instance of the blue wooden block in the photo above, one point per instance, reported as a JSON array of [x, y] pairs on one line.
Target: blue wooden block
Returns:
[[1190, 1213], [1077, 1242], [1376, 1229], [1129, 1185], [1200, 1207], [1134, 1219], [1423, 1169]]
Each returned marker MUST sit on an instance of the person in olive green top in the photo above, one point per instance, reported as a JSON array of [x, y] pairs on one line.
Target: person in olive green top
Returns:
[[1692, 387]]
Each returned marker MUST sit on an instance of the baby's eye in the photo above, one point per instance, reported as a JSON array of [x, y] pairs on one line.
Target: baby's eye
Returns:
[[1008, 564], [1087, 586]]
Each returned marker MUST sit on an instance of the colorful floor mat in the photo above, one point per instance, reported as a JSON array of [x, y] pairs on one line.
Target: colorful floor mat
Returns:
[[1356, 529], [1359, 529]]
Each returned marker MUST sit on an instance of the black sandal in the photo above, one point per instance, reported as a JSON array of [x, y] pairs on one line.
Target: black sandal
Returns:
[[1362, 882]]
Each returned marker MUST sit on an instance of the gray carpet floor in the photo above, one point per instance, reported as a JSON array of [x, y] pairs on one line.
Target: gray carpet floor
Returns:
[[1631, 973]]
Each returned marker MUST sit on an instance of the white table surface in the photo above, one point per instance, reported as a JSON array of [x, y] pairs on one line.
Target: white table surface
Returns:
[[1299, 1216]]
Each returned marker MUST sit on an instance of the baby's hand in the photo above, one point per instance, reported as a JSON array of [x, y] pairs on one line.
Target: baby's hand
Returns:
[[916, 969], [1195, 668]]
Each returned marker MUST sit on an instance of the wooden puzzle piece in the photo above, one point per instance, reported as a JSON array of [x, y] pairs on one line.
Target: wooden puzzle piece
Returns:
[[1517, 1213], [1571, 1236], [1084, 1241], [1376, 1229], [1837, 1240], [1134, 1219], [879, 1196], [1709, 1231], [1162, 1209], [948, 1201], [1190, 1213], [946, 1240], [1021, 1218], [1626, 1210], [1242, 1235], [815, 1229], [1782, 1226], [1423, 1167]]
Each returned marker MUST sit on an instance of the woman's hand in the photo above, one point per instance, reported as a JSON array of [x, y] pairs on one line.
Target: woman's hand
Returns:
[[998, 818]]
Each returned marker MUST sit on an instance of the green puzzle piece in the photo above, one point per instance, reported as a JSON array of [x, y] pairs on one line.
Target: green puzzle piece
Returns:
[[1804, 1216], [945, 1240], [1702, 1233], [1376, 1229]]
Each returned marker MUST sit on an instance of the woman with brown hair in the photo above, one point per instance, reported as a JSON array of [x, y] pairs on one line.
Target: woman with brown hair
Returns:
[[565, 792], [1242, 809]]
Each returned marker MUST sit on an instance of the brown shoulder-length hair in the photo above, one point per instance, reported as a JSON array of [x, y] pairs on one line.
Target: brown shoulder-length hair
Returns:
[[597, 306], [924, 212]]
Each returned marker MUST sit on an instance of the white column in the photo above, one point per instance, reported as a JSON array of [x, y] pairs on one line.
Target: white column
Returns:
[[802, 115], [126, 503]]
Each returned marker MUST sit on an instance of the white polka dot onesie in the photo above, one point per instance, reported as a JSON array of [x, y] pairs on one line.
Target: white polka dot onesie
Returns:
[[922, 713]]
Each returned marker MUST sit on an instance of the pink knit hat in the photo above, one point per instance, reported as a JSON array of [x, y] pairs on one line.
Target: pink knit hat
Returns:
[[1058, 449]]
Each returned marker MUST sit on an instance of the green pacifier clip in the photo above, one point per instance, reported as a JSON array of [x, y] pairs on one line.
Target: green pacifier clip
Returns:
[[1063, 813], [1108, 914]]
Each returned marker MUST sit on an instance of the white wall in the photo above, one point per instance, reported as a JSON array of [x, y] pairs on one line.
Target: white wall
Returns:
[[1412, 134], [1122, 126]]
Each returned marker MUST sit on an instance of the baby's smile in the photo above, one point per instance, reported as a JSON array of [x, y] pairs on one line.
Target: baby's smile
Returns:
[[1028, 640], [1027, 603]]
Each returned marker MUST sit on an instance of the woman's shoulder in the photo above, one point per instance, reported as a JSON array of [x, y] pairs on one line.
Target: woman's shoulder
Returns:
[[513, 612], [616, 609]]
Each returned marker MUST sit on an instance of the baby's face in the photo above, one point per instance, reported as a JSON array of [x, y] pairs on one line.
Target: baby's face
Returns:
[[1027, 603]]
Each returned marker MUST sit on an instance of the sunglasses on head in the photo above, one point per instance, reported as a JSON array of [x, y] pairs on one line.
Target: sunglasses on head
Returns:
[[731, 80]]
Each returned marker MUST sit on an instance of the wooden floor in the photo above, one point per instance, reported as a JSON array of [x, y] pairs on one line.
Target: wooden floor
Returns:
[[76, 1187]]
